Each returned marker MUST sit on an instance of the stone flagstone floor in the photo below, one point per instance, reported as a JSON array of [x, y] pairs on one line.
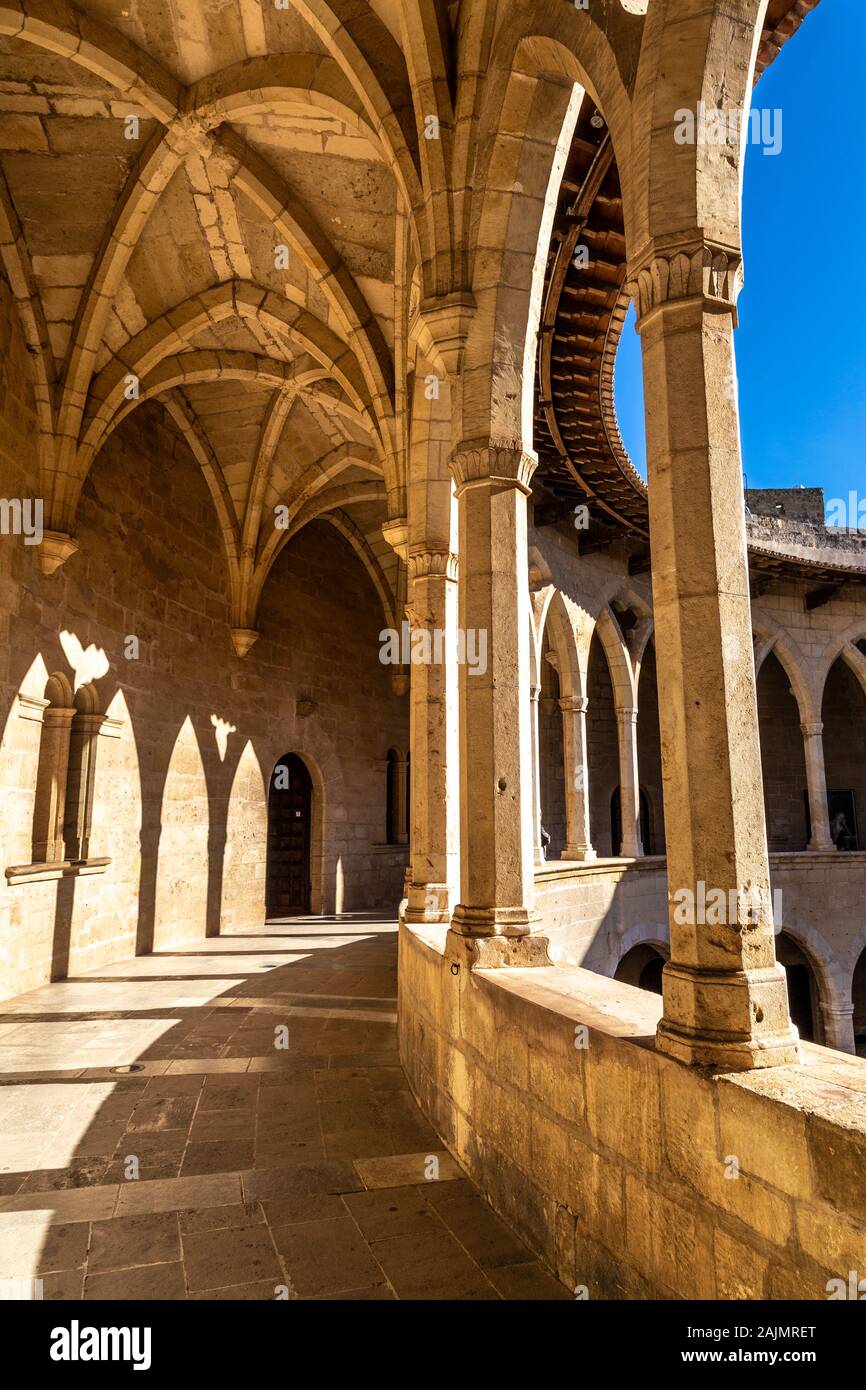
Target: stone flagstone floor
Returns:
[[262, 1172]]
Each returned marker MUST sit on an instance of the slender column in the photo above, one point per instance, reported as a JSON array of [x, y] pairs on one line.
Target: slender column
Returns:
[[496, 803], [50, 805], [579, 843], [631, 846], [816, 782], [537, 851], [725, 999], [433, 606], [83, 745]]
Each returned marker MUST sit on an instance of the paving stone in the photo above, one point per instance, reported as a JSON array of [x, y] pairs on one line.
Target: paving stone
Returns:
[[150, 1282], [133, 1240], [217, 1258], [326, 1256]]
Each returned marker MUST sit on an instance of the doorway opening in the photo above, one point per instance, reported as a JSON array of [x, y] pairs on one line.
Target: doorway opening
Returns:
[[290, 804]]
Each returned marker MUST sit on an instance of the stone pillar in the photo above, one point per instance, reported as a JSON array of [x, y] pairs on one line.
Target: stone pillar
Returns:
[[816, 782], [631, 846], [433, 605], [578, 841], [839, 1027], [725, 998], [50, 805], [496, 802], [537, 851]]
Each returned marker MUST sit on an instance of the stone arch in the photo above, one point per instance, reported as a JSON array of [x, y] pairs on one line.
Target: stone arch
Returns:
[[843, 716], [183, 864], [831, 979], [858, 999], [618, 658], [783, 765], [642, 965], [805, 685], [243, 880]]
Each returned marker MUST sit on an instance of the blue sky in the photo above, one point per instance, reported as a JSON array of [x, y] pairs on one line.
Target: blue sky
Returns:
[[801, 347]]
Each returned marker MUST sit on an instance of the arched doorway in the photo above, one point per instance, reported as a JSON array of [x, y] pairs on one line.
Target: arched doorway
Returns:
[[642, 966], [858, 996], [290, 803], [803, 1000]]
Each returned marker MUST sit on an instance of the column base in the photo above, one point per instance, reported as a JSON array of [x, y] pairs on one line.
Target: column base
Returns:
[[753, 1002], [496, 952], [428, 902], [583, 853], [492, 921], [724, 1054], [819, 847]]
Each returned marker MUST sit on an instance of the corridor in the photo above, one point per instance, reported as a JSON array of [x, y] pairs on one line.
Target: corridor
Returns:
[[231, 1121]]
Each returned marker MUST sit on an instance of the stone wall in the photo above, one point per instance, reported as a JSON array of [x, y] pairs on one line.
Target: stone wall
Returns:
[[631, 1175], [182, 769]]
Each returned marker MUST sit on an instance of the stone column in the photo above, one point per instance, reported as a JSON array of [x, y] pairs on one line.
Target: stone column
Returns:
[[816, 782], [725, 998], [839, 1027], [50, 805], [631, 846], [578, 841], [433, 605], [496, 802], [537, 852]]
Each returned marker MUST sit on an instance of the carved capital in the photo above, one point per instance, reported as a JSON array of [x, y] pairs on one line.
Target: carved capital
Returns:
[[54, 550], [489, 461], [243, 638], [396, 534], [702, 272], [811, 730], [447, 318], [432, 564], [574, 704]]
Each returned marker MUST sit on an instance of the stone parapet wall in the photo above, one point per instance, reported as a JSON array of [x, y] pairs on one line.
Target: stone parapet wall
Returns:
[[611, 1159]]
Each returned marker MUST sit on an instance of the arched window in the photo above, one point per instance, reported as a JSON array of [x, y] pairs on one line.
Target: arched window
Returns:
[[65, 776], [49, 809]]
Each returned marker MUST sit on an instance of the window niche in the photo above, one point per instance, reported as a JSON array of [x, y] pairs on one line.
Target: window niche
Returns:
[[65, 781]]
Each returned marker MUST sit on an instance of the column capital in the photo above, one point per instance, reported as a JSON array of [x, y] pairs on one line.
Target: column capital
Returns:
[[476, 463], [812, 730], [534, 692], [432, 564], [574, 704], [691, 270], [626, 714]]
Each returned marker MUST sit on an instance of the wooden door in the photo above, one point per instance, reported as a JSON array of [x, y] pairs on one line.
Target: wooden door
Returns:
[[290, 802]]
